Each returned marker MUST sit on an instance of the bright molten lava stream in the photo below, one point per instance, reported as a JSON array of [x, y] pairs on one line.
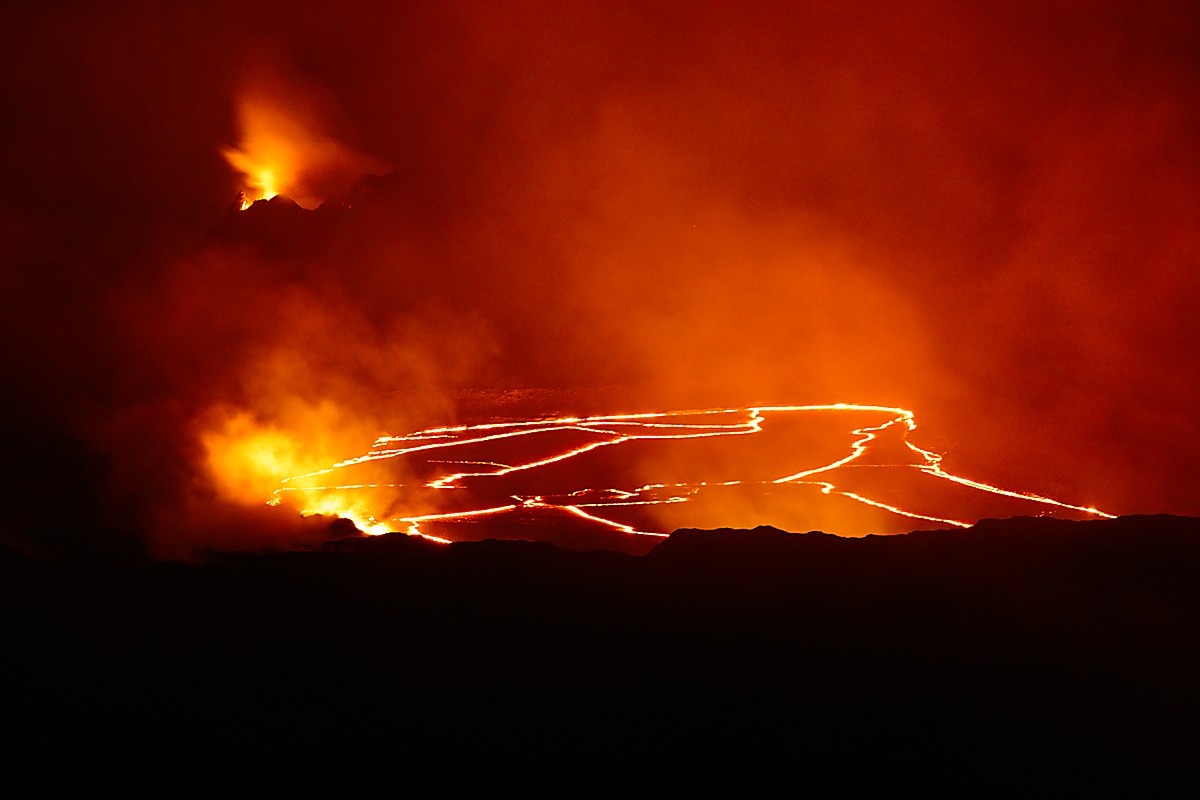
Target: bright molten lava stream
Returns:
[[621, 481]]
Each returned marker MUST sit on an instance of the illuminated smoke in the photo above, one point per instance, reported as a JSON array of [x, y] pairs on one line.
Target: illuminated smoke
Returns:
[[283, 147]]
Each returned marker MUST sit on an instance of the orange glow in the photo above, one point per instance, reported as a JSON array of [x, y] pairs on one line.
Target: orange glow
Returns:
[[248, 458], [508, 459], [270, 152], [414, 523], [283, 149], [931, 466], [577, 511]]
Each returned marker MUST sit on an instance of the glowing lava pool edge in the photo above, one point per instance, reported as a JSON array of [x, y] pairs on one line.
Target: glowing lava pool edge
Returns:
[[623, 481]]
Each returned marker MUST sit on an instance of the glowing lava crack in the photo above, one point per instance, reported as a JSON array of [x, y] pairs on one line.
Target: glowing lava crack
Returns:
[[619, 481]]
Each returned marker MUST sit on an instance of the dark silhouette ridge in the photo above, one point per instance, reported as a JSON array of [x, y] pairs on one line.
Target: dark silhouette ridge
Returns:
[[299, 240], [1014, 653], [280, 229]]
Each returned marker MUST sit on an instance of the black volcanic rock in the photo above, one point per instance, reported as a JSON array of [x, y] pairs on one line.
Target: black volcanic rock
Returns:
[[1016, 652], [281, 230]]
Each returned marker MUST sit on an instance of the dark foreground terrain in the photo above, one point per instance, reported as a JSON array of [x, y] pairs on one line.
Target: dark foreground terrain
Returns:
[[1018, 654]]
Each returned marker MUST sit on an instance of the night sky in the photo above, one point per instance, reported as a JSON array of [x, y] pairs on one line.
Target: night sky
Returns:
[[987, 215]]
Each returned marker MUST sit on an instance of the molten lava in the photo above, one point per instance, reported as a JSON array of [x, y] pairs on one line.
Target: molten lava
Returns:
[[639, 476]]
